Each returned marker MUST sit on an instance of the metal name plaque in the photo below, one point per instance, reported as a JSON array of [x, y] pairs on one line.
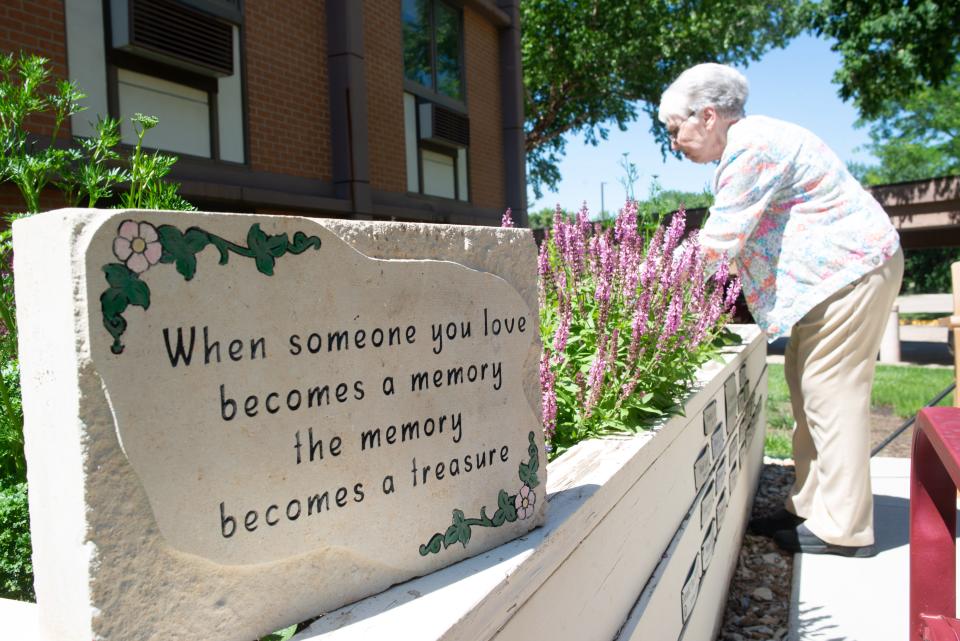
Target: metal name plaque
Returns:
[[709, 417], [730, 398], [744, 379], [721, 475], [707, 504], [708, 546], [691, 587], [716, 441], [722, 508], [734, 473], [701, 468]]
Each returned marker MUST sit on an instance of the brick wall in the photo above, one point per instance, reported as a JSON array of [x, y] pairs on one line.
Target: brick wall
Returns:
[[383, 48], [482, 59], [38, 27], [287, 92]]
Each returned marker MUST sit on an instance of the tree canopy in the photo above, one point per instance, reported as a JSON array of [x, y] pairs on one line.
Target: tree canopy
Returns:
[[890, 50], [589, 64], [593, 64], [918, 137]]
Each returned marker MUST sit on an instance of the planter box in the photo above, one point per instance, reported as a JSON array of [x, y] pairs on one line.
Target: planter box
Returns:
[[641, 538]]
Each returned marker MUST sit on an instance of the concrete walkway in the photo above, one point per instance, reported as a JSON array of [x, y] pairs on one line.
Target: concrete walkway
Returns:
[[840, 599]]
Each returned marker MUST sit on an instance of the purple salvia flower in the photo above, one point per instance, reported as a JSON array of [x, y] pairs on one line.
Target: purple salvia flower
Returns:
[[563, 331], [733, 290], [549, 394], [507, 220], [581, 382]]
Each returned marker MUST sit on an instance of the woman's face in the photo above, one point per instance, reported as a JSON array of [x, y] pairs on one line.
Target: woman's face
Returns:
[[698, 136]]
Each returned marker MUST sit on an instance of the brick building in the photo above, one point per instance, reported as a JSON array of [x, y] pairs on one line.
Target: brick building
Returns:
[[370, 109]]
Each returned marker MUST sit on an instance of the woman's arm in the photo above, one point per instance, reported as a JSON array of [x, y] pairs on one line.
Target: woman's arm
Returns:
[[747, 180]]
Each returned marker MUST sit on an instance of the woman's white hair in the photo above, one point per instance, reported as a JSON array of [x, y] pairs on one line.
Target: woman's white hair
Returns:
[[705, 85]]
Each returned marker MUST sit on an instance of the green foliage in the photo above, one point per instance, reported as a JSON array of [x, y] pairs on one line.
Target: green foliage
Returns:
[[148, 187], [13, 467], [589, 65], [87, 172], [660, 201], [541, 219], [282, 635], [917, 137], [907, 389], [16, 568], [889, 50], [927, 271], [904, 389]]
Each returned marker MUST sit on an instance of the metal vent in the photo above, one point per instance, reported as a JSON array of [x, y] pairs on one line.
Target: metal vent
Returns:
[[177, 35], [444, 126]]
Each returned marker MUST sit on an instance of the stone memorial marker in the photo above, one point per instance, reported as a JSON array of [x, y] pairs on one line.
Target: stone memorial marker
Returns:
[[236, 422]]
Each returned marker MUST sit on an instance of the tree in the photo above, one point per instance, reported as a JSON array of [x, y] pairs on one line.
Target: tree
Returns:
[[890, 50], [587, 64], [918, 137]]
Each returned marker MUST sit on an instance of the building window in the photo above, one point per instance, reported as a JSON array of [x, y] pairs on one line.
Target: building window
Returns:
[[437, 130], [178, 60], [433, 46]]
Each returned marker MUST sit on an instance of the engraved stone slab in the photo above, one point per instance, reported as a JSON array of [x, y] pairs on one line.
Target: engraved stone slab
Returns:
[[235, 422]]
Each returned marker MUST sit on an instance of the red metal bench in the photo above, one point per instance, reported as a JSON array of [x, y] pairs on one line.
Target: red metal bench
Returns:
[[934, 479]]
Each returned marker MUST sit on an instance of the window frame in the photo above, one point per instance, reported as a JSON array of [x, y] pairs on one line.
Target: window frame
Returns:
[[414, 87], [116, 59]]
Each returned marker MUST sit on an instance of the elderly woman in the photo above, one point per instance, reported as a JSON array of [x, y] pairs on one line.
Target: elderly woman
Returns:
[[818, 259]]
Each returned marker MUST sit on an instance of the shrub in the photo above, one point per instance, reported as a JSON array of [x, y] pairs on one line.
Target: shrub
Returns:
[[16, 569], [626, 321]]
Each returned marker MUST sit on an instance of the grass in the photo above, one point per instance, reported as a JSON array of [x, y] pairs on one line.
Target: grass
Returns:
[[900, 389]]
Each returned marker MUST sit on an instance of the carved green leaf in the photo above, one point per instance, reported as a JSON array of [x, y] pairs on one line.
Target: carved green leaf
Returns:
[[462, 527], [528, 471], [266, 249], [176, 249], [506, 506], [125, 289]]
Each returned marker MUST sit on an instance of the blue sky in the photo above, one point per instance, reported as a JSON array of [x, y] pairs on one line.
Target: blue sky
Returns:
[[791, 84]]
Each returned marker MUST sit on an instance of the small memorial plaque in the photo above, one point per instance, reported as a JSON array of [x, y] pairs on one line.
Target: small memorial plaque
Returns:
[[701, 468], [732, 448], [722, 508], [691, 587], [734, 473], [744, 379], [708, 546], [709, 417], [721, 474], [716, 441], [730, 399], [707, 504], [742, 401]]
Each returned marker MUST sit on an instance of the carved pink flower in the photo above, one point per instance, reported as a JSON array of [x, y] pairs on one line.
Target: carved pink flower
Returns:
[[137, 245], [526, 498]]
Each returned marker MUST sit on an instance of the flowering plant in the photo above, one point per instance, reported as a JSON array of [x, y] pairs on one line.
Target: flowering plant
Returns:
[[625, 321]]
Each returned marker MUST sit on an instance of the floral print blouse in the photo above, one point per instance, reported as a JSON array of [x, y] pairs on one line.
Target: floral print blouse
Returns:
[[792, 219]]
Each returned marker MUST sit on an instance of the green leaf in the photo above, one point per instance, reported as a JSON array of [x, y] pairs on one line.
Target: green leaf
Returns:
[[181, 252]]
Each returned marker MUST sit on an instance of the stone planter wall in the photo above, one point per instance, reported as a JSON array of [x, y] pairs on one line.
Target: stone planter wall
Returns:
[[641, 538]]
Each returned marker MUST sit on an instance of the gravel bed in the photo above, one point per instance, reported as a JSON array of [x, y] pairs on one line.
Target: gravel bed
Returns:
[[758, 604]]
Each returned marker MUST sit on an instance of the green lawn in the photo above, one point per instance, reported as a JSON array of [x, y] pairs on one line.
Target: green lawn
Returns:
[[902, 389]]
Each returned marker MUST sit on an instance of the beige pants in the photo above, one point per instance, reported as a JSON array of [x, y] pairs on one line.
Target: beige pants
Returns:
[[830, 361]]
